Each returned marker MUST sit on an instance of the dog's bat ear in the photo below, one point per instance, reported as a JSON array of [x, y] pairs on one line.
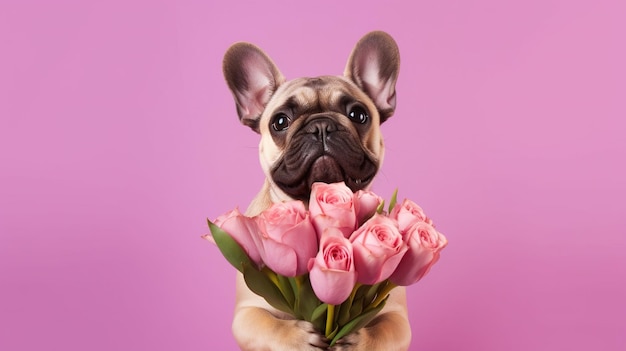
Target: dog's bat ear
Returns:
[[374, 66], [252, 78]]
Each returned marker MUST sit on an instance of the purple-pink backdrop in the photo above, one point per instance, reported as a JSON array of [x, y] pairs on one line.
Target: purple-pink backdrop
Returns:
[[118, 137]]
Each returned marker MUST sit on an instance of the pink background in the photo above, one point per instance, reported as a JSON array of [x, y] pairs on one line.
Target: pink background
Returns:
[[118, 137]]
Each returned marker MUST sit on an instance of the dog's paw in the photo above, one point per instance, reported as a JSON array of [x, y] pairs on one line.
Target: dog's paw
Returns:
[[352, 342], [312, 336], [303, 336]]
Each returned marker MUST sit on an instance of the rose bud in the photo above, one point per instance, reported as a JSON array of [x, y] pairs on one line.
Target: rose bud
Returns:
[[365, 205], [332, 205], [425, 244], [244, 230], [408, 213], [378, 248], [288, 237], [331, 272]]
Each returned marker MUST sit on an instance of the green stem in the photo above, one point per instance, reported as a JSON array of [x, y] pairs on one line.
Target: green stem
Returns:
[[330, 317]]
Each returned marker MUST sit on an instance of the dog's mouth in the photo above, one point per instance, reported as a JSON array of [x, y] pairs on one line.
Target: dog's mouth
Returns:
[[326, 169]]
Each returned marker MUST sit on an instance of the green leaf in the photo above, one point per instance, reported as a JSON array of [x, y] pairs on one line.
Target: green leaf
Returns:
[[357, 323], [394, 200], [320, 322], [363, 297], [319, 312], [357, 307], [332, 335], [260, 284], [285, 289], [380, 207], [361, 291], [370, 294], [343, 316], [307, 300], [231, 250], [294, 286]]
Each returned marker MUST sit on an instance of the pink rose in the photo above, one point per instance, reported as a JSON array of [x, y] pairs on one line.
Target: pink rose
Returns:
[[378, 249], [288, 237], [331, 272], [424, 243], [332, 205], [244, 230], [408, 213], [365, 205]]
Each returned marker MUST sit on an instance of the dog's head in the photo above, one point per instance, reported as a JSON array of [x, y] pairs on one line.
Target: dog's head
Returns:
[[322, 129]]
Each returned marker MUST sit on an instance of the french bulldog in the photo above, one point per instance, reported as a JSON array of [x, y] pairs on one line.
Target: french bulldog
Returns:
[[320, 129]]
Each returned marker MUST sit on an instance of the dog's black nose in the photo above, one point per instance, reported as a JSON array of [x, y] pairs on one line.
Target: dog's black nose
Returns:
[[321, 128]]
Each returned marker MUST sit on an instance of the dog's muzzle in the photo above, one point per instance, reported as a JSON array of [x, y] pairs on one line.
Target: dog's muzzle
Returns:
[[323, 150]]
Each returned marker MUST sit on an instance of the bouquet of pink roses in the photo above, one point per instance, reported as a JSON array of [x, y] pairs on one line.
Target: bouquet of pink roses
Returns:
[[335, 263]]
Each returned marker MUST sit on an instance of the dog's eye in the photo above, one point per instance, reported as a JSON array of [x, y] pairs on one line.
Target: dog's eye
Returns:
[[280, 122], [358, 114]]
